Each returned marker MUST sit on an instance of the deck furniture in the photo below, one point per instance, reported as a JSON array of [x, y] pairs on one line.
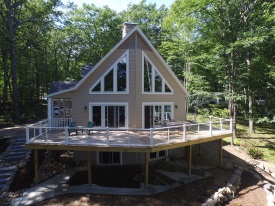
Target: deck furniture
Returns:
[[89, 126], [72, 128]]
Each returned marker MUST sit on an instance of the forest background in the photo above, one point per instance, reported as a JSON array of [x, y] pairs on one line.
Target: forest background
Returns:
[[225, 46]]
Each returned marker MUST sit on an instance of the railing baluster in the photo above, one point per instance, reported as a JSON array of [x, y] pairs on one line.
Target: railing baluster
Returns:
[[151, 137], [210, 125], [184, 132], [27, 134], [221, 124], [107, 136], [66, 135]]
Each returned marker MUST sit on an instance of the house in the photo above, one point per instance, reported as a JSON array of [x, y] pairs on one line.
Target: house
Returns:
[[127, 95], [131, 86]]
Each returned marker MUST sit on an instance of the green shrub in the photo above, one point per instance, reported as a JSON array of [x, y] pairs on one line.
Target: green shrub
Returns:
[[255, 153]]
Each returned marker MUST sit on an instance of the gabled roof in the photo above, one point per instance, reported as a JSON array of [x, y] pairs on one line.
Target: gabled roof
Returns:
[[135, 29], [85, 69], [58, 86]]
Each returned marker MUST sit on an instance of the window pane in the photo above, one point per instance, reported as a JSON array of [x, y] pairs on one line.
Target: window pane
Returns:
[[147, 76], [158, 82], [97, 115], [121, 75], [157, 115], [116, 157], [167, 112], [167, 89], [162, 153], [153, 155], [97, 88], [121, 116], [108, 81]]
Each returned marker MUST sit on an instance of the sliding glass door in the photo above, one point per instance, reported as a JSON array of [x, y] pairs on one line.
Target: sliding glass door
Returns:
[[113, 116]]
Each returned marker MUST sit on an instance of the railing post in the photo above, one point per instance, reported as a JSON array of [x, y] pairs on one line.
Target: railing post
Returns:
[[210, 125], [40, 128], [184, 132], [107, 135], [66, 135], [27, 134], [46, 134], [221, 124], [151, 137], [198, 129]]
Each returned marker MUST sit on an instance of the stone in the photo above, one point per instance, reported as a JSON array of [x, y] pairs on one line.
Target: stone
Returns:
[[267, 170], [22, 164], [216, 197], [272, 175], [268, 186], [210, 202], [261, 166], [223, 198]]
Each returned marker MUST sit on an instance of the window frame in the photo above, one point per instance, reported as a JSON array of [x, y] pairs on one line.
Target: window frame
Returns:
[[154, 71], [101, 80]]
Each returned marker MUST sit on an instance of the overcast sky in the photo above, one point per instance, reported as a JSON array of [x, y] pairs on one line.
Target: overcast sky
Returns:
[[119, 5]]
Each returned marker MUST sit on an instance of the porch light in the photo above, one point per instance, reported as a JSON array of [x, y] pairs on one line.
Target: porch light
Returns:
[[85, 108], [176, 106]]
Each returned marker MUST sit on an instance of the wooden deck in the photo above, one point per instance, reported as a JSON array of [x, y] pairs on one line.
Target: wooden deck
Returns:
[[126, 140], [53, 134]]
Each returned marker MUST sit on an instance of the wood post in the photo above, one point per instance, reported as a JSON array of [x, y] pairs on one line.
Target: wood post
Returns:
[[220, 159], [36, 167], [189, 157], [89, 155], [146, 169]]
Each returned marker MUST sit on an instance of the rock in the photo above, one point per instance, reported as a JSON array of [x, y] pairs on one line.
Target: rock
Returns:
[[209, 202], [268, 186], [223, 198], [261, 166], [22, 164], [273, 175], [266, 169], [216, 197]]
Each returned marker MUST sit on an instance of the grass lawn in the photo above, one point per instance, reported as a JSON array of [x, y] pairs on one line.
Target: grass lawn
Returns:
[[259, 145]]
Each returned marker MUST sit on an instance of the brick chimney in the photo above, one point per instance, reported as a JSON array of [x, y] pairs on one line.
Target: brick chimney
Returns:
[[127, 27]]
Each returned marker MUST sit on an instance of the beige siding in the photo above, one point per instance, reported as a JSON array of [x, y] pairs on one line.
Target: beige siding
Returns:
[[135, 44]]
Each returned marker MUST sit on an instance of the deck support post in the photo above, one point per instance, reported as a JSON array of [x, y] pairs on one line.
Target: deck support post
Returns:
[[220, 152], [36, 167], [146, 169], [189, 156], [89, 167]]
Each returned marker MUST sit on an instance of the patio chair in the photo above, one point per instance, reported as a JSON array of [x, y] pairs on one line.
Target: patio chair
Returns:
[[90, 125], [72, 128]]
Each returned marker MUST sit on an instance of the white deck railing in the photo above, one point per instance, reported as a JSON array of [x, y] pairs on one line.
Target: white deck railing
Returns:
[[43, 132]]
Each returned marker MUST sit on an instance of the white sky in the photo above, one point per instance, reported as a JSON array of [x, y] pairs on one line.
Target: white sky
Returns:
[[119, 5]]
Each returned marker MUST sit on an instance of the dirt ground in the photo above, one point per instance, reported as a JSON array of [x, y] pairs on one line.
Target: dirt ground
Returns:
[[194, 193]]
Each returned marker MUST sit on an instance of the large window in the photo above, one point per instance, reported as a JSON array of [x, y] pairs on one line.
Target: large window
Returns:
[[115, 80], [153, 82], [109, 115], [155, 113]]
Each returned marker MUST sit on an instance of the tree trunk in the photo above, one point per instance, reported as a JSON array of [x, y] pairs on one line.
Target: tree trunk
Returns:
[[11, 38], [250, 95], [6, 77]]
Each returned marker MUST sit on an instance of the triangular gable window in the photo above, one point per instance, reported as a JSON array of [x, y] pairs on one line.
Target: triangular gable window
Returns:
[[153, 82], [115, 79]]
